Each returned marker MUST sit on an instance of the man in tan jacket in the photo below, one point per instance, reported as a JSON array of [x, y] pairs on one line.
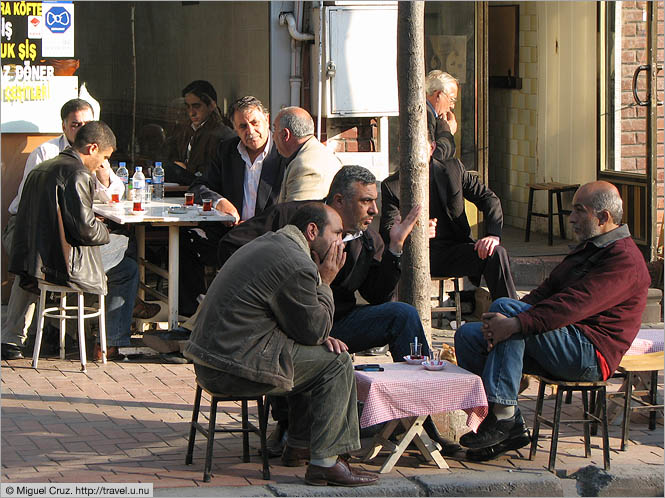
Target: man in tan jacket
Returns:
[[264, 328], [311, 165]]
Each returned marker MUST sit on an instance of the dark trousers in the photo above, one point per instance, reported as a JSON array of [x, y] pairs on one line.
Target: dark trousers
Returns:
[[461, 260], [322, 407]]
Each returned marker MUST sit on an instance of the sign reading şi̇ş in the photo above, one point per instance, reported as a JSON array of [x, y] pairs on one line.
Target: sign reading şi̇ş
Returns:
[[32, 88]]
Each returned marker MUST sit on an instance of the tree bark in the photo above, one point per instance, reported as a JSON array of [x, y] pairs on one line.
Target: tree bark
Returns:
[[415, 284]]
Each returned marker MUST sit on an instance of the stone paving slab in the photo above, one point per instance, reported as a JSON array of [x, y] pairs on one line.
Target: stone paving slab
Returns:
[[129, 421]]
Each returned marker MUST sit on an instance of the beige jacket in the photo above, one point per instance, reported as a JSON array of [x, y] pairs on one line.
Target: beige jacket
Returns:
[[309, 174]]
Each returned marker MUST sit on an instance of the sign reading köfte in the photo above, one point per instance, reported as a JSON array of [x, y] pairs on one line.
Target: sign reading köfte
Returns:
[[34, 85]]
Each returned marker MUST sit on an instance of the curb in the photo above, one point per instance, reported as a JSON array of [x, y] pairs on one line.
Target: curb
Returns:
[[628, 480]]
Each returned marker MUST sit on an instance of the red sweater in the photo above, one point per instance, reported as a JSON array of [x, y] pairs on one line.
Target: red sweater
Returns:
[[601, 288]]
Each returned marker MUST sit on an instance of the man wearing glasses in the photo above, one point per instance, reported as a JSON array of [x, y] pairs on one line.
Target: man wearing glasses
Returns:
[[441, 92]]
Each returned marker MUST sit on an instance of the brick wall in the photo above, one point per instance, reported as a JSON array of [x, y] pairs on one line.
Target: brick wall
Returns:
[[352, 134], [512, 127]]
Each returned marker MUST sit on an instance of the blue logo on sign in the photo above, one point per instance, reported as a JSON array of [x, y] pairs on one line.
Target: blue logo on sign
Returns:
[[58, 19]]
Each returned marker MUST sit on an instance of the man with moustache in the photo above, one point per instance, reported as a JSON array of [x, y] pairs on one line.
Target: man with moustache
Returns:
[[242, 179], [575, 326]]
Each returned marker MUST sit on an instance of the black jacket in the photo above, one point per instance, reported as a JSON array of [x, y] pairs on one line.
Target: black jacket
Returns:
[[225, 177], [68, 253], [449, 185], [370, 268]]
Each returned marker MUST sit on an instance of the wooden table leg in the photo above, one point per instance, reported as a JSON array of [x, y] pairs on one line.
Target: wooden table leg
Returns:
[[174, 263], [414, 432]]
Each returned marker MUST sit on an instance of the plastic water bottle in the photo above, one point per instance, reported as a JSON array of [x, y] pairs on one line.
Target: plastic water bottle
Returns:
[[123, 174], [158, 182], [138, 188]]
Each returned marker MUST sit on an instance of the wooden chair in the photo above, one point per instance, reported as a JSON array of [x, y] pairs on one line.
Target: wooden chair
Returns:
[[210, 431], [629, 366], [552, 189], [597, 390], [440, 308]]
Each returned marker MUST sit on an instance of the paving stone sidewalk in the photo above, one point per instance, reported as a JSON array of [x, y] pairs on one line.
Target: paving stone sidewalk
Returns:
[[128, 421]]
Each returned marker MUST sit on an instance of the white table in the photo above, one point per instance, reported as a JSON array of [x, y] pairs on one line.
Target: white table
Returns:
[[157, 214]]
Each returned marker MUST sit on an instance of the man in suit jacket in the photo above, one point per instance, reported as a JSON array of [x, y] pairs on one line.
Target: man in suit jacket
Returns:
[[311, 166], [453, 253], [242, 179], [441, 91]]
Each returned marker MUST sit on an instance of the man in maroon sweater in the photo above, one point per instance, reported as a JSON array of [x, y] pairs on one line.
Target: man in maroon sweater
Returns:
[[576, 326]]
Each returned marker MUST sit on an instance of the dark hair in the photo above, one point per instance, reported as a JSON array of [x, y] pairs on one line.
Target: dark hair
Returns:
[[311, 212], [344, 179], [202, 89], [95, 132], [73, 106], [245, 103]]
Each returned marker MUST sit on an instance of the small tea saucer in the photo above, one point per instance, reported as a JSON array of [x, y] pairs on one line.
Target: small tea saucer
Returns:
[[431, 366], [419, 361]]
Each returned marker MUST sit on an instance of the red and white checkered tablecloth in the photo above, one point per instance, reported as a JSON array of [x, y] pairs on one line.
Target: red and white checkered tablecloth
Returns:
[[647, 341], [403, 390]]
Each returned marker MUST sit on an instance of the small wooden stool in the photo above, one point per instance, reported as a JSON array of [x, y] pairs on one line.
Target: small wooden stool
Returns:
[[597, 390], [649, 362], [442, 297], [209, 432], [552, 188]]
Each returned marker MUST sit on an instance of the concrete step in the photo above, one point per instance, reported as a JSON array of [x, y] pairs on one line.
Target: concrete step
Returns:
[[530, 271]]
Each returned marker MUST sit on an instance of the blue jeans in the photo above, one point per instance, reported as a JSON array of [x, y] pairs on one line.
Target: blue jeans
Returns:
[[564, 354], [123, 282], [393, 323]]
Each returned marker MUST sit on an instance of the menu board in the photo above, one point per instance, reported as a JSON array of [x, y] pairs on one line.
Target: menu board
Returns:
[[37, 65]]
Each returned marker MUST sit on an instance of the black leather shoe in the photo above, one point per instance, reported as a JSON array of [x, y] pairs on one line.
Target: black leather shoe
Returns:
[[11, 352], [493, 431], [339, 474], [491, 452], [448, 447], [295, 457]]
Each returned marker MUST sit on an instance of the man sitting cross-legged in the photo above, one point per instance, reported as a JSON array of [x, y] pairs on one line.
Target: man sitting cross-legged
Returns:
[[576, 326]]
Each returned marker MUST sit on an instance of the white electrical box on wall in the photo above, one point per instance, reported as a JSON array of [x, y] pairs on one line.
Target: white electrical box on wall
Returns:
[[359, 67]]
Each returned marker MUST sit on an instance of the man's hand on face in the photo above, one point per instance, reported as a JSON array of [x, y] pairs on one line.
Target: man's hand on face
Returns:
[[498, 327], [104, 173], [401, 229], [332, 263], [431, 229], [450, 118], [226, 207], [335, 345], [485, 247]]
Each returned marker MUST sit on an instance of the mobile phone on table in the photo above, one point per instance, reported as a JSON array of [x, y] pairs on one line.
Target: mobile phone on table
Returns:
[[369, 367]]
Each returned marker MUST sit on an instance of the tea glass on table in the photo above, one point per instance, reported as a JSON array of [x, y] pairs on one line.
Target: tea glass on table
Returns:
[[207, 204], [416, 351], [147, 194], [115, 198], [189, 199]]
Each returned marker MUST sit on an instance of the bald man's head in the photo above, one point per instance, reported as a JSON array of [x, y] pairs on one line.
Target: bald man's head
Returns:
[[597, 209], [293, 126]]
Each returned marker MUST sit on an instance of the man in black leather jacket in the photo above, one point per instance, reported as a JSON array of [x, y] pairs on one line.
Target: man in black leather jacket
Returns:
[[59, 237]]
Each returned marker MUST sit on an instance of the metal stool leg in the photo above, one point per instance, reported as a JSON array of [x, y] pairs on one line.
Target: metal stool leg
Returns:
[[207, 469], [536, 421], [81, 328], [550, 218], [102, 327], [587, 429], [245, 432], [528, 216], [555, 429], [458, 303], [625, 430], [40, 328], [192, 426], [562, 228], [263, 428], [653, 399], [63, 323], [602, 393]]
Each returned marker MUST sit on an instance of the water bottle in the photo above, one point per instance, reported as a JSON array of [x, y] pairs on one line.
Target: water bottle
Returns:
[[123, 174], [158, 182], [138, 188]]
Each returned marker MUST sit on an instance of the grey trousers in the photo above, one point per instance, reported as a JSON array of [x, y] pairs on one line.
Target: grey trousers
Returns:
[[326, 421], [21, 306]]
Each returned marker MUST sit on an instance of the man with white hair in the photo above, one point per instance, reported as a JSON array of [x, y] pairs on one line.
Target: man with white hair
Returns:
[[441, 90], [575, 326], [311, 166]]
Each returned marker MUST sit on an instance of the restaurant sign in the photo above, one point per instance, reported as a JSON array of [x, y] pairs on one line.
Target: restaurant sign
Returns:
[[37, 65]]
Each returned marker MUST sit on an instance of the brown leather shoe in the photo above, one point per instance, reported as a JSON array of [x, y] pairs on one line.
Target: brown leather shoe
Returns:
[[111, 353], [339, 474], [295, 457]]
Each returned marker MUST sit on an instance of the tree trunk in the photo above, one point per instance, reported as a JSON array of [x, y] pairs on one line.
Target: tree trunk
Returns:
[[415, 284]]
